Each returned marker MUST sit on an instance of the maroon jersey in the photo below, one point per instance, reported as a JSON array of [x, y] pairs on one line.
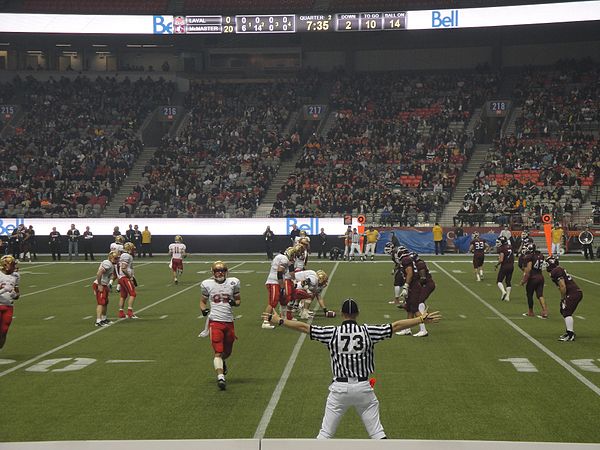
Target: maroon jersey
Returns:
[[558, 273], [414, 289], [422, 269], [406, 262], [478, 246], [509, 256], [537, 263]]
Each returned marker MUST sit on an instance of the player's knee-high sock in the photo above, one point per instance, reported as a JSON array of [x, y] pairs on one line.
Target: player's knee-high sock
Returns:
[[422, 309], [569, 323], [501, 287]]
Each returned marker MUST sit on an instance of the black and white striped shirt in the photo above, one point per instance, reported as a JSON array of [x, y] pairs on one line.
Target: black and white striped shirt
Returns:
[[351, 346]]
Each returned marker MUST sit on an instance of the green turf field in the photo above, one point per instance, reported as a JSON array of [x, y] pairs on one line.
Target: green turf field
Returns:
[[484, 373]]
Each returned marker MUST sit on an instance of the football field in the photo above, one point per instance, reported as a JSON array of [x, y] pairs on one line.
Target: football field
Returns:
[[484, 373]]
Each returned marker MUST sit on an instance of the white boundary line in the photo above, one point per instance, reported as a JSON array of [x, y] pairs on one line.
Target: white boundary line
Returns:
[[531, 339], [91, 333], [584, 279], [62, 285], [270, 410]]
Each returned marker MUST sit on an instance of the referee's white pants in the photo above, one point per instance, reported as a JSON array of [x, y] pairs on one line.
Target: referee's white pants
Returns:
[[344, 395], [355, 249], [556, 249]]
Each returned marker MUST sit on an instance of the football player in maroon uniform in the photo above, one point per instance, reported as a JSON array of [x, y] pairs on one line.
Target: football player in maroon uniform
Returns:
[[478, 247], [533, 279], [570, 295], [411, 291], [506, 261]]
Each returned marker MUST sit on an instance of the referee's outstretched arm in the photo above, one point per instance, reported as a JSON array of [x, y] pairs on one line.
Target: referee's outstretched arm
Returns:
[[428, 317], [275, 319]]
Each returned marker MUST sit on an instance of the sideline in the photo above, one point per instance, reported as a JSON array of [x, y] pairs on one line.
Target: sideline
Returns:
[[531, 339], [270, 410]]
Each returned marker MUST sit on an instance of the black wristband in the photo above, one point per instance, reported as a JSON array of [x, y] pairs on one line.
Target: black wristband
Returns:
[[281, 321], [205, 312], [270, 318]]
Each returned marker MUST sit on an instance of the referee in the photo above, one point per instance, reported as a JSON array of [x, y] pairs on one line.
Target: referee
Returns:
[[352, 361]]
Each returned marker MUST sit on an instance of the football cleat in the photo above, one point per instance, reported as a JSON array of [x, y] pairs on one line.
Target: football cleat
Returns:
[[422, 333], [131, 315], [568, 336], [101, 324], [528, 314], [267, 326], [107, 321], [121, 314], [504, 296], [405, 332], [222, 384]]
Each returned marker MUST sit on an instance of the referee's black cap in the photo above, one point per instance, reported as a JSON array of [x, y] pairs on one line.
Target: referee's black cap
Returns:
[[350, 306]]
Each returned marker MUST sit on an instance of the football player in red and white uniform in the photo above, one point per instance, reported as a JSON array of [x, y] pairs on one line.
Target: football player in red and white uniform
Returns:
[[219, 295], [117, 246], [101, 286], [309, 285], [301, 260], [9, 292], [127, 281], [177, 251], [280, 284]]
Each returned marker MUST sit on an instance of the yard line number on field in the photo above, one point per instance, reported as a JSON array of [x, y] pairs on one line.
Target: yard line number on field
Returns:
[[266, 417], [91, 333], [531, 339]]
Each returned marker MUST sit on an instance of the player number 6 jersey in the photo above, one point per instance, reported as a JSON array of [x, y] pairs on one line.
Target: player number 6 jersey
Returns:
[[218, 295]]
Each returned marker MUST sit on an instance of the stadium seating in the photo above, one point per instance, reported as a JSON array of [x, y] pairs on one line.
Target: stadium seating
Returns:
[[75, 144], [551, 162], [225, 159], [395, 150]]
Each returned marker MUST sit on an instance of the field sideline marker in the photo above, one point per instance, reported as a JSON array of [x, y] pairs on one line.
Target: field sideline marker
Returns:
[[531, 339], [266, 417]]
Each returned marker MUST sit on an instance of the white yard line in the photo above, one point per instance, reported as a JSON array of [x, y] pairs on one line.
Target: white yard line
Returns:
[[91, 333], [27, 294], [268, 414], [584, 279], [531, 339]]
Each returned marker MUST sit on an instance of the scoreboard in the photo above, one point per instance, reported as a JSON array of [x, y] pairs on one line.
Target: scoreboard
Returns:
[[290, 23], [318, 22]]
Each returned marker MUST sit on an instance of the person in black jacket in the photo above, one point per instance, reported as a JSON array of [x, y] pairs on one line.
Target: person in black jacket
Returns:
[[322, 244], [269, 237], [88, 246], [54, 243]]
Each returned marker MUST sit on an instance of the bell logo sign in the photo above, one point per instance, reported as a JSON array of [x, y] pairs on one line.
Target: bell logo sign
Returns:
[[449, 21]]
